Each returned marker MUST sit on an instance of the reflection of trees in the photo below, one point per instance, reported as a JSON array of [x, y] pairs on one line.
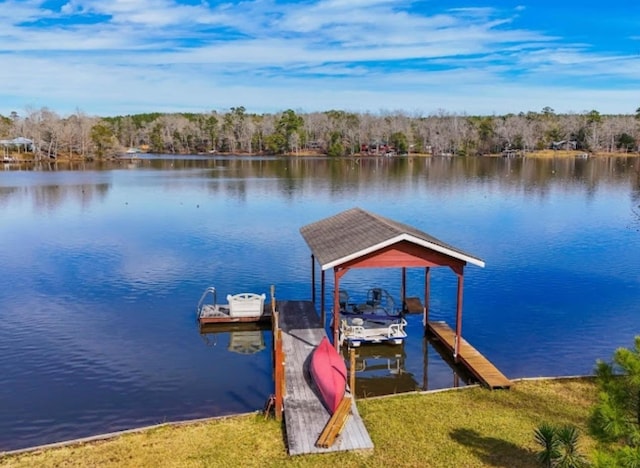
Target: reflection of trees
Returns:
[[635, 191], [343, 177], [51, 196], [7, 194]]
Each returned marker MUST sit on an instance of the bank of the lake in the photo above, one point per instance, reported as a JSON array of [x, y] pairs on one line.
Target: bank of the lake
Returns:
[[470, 427], [16, 157]]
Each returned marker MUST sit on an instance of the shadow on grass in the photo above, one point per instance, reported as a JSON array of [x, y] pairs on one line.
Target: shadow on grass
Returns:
[[493, 451]]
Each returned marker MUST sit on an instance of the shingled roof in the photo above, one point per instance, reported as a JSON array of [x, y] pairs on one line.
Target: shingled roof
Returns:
[[356, 232]]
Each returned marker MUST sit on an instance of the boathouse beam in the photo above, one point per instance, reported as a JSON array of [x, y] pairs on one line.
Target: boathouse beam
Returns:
[[456, 350], [336, 307], [313, 279], [403, 292], [322, 298], [427, 293], [338, 272]]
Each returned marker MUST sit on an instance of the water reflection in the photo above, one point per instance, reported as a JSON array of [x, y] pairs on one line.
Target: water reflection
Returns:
[[383, 369], [240, 338], [236, 176], [459, 375], [380, 370], [107, 262]]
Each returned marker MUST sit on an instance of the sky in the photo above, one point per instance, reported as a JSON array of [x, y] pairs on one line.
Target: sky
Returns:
[[492, 57]]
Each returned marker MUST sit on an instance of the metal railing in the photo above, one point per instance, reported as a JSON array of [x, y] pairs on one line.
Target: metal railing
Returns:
[[210, 290]]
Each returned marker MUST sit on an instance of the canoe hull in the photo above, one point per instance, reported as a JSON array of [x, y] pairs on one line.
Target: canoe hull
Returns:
[[329, 373]]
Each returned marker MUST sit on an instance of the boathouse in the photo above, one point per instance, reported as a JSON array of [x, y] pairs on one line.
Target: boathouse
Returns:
[[359, 239]]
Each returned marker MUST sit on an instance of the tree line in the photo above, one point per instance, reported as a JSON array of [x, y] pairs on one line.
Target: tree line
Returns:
[[333, 132]]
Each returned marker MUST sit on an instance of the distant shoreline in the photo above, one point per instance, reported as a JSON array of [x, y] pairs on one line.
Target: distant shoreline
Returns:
[[542, 154]]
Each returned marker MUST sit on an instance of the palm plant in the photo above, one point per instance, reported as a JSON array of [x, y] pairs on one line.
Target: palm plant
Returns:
[[567, 437], [559, 447], [546, 437]]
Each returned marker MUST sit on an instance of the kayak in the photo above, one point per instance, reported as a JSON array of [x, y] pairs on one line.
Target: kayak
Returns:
[[329, 373]]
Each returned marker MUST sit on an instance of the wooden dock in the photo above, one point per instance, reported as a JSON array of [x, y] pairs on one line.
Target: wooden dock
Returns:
[[305, 416], [477, 364]]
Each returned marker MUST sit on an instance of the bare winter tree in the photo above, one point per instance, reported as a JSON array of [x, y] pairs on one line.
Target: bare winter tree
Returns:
[[335, 131]]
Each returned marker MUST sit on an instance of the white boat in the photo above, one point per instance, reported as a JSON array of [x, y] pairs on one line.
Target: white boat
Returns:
[[242, 307], [375, 321]]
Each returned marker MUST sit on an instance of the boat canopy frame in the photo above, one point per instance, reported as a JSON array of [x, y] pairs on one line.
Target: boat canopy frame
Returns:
[[356, 238]]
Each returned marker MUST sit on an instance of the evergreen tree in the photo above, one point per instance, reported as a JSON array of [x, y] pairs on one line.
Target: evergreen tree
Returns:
[[616, 416]]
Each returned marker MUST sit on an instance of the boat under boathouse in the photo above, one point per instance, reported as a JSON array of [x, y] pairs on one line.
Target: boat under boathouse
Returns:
[[359, 239]]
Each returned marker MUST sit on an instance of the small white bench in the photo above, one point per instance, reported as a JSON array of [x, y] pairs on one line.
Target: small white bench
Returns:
[[246, 304]]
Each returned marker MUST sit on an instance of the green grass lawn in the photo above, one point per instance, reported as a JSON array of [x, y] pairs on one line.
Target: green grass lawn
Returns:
[[470, 427]]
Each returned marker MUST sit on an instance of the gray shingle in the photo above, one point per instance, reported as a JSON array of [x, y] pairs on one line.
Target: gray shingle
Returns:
[[355, 230]]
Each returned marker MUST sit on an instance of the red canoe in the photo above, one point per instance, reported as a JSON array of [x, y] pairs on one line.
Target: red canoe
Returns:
[[329, 374]]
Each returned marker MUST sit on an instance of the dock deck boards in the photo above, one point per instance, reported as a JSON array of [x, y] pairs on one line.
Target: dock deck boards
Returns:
[[305, 416], [479, 366]]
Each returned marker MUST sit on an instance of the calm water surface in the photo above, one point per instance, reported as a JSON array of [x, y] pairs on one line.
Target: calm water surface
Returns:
[[102, 267]]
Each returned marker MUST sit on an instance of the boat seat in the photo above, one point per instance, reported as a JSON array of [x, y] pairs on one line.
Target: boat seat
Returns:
[[246, 304]]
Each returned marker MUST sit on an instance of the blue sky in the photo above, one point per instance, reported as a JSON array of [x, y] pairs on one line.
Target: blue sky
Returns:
[[111, 57]]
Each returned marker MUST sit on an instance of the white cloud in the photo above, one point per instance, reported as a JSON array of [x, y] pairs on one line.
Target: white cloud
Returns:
[[145, 55]]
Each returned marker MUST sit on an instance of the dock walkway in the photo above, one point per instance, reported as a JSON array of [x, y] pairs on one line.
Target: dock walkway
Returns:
[[305, 416], [477, 364]]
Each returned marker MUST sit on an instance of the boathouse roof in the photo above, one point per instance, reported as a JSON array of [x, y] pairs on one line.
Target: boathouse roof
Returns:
[[355, 233]]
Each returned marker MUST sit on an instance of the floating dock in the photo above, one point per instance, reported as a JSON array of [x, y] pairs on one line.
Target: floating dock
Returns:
[[241, 308], [219, 314], [475, 362], [305, 416]]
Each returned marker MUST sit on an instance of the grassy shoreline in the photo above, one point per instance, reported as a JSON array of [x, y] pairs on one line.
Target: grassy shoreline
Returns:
[[470, 427]]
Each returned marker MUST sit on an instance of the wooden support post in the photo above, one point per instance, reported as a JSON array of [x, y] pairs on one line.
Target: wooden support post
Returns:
[[427, 286], [278, 358], [323, 312], [273, 302], [336, 309], [274, 329], [352, 372], [279, 375], [456, 351], [336, 423], [403, 293], [313, 279]]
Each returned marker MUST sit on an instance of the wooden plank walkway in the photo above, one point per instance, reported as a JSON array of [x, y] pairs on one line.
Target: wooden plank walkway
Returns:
[[477, 364], [305, 416]]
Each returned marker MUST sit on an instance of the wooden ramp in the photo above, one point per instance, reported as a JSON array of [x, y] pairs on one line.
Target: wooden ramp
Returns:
[[305, 416], [412, 305], [477, 364]]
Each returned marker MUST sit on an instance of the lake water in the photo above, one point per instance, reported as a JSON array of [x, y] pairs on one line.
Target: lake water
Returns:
[[102, 267]]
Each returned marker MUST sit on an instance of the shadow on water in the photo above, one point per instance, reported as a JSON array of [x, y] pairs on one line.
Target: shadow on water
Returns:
[[461, 376], [381, 369]]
